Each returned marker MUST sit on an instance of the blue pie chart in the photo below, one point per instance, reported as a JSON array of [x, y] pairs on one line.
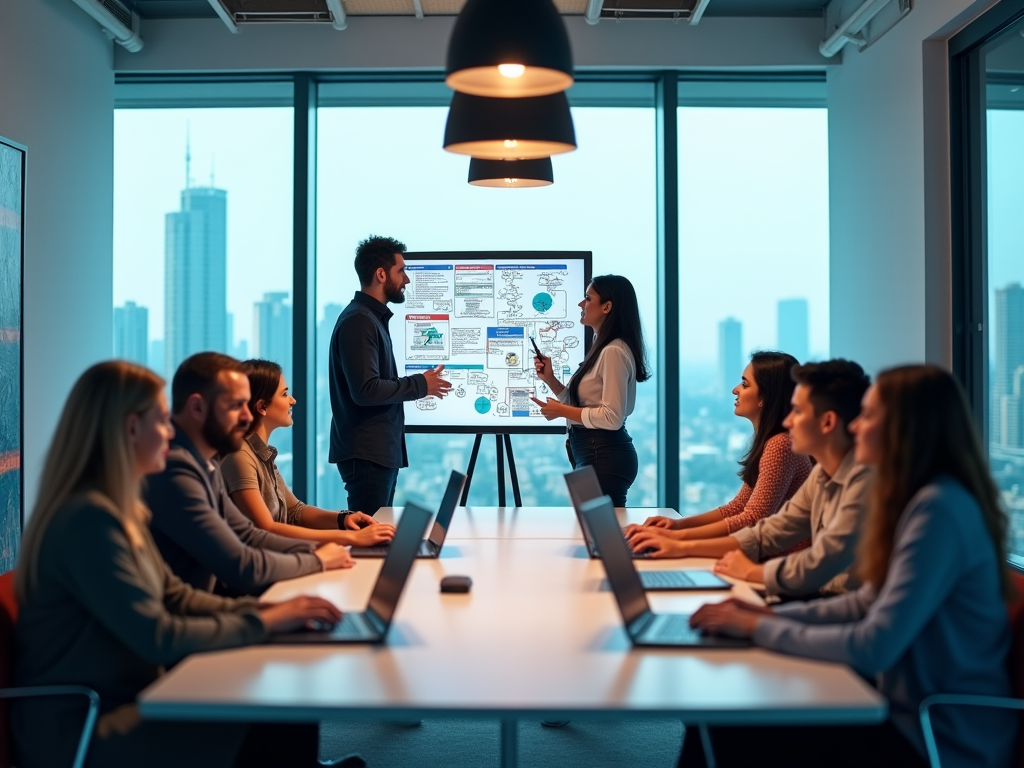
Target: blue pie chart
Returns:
[[542, 302]]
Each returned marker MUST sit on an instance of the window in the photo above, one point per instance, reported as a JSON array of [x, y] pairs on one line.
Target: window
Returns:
[[203, 237], [381, 170], [753, 268]]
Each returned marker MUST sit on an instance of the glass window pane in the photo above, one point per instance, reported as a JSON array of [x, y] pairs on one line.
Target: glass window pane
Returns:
[[754, 271], [381, 170], [203, 238], [1004, 65]]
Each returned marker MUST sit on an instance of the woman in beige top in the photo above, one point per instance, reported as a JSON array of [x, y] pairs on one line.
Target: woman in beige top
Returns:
[[98, 605], [256, 485]]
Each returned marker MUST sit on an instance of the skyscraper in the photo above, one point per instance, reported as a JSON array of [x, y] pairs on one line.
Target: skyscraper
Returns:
[[794, 328], [272, 329], [131, 333], [730, 353], [1006, 412], [195, 292]]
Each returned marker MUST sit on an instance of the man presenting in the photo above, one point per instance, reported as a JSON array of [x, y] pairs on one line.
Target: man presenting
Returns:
[[368, 421], [829, 508]]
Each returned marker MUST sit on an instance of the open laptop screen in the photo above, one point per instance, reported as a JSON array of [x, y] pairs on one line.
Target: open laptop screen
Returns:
[[583, 485], [447, 508], [401, 554], [618, 562]]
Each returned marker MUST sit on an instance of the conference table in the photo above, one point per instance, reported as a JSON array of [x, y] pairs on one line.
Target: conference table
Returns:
[[538, 637]]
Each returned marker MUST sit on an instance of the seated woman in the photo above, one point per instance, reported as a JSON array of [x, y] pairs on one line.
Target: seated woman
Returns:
[[256, 485], [931, 615], [771, 472], [99, 607]]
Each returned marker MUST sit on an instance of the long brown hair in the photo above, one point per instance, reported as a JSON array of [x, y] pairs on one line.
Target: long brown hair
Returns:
[[928, 432], [776, 385], [90, 452], [264, 379]]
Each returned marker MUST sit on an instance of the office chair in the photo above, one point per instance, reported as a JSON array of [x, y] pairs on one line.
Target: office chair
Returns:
[[8, 616], [1016, 610]]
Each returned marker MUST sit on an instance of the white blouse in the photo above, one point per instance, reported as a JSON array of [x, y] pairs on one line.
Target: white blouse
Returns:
[[608, 392]]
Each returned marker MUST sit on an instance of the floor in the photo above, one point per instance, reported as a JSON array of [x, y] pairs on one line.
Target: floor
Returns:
[[475, 744]]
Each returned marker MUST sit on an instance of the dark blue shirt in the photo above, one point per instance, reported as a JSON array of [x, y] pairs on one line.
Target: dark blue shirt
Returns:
[[368, 419]]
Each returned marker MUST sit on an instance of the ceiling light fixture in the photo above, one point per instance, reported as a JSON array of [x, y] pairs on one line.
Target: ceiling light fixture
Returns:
[[511, 174], [509, 52], [509, 129]]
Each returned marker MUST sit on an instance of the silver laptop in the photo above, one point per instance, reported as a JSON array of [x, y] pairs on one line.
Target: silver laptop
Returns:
[[644, 626], [430, 546], [583, 487], [371, 625]]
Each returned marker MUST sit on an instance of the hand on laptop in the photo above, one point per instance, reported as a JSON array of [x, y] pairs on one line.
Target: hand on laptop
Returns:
[[334, 556], [656, 544], [732, 618], [299, 613], [356, 520], [372, 535], [660, 521]]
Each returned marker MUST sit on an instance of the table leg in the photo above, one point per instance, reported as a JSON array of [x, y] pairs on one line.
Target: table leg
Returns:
[[509, 743]]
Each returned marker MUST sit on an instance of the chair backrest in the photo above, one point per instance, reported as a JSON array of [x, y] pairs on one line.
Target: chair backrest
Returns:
[[8, 617]]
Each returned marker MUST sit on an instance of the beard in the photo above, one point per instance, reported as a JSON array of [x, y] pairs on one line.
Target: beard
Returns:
[[222, 440], [393, 292]]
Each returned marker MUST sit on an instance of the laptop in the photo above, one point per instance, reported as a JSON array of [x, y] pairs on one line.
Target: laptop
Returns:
[[430, 546], [371, 625], [644, 627], [583, 487]]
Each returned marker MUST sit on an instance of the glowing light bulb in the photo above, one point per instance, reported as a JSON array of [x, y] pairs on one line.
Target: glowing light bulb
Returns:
[[511, 181], [510, 143], [511, 70]]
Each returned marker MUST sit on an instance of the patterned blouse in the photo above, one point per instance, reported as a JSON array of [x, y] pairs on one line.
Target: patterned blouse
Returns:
[[780, 473]]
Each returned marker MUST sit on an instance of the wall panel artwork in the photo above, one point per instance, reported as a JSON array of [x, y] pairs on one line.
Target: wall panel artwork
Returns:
[[12, 199]]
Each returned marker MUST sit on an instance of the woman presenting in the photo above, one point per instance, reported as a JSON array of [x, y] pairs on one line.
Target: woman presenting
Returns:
[[602, 392]]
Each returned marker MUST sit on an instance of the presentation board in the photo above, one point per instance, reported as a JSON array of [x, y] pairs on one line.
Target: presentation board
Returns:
[[475, 312]]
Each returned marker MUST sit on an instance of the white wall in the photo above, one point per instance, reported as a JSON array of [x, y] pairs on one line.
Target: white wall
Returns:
[[56, 98], [889, 191]]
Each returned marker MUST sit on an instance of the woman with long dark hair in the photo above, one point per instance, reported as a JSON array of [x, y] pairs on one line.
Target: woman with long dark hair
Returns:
[[255, 483], [931, 616], [771, 472], [602, 392]]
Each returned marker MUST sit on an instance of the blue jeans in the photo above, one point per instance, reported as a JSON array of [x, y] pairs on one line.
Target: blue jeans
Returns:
[[369, 485], [611, 454]]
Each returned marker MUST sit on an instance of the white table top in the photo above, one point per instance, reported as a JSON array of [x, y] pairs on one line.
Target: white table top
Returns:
[[539, 635]]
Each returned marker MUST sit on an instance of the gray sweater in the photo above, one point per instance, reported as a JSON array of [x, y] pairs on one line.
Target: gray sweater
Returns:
[[206, 539], [938, 625], [107, 613]]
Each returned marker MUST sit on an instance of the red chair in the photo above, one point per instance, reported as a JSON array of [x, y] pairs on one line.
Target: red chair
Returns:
[[1016, 609], [8, 617]]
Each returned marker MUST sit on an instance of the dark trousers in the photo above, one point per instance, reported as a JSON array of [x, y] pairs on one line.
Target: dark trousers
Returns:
[[611, 454], [813, 746], [369, 485]]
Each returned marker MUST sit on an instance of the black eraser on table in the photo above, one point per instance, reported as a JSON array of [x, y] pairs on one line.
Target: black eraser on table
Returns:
[[456, 584]]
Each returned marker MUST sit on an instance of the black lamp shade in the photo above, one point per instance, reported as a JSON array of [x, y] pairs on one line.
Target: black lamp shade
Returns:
[[511, 174], [509, 129], [491, 33]]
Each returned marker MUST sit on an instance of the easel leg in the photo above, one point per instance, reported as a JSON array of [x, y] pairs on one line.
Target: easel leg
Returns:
[[472, 466], [516, 495], [501, 470]]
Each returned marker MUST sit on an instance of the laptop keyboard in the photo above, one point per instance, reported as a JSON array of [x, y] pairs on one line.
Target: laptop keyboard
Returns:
[[665, 579], [672, 626], [351, 626]]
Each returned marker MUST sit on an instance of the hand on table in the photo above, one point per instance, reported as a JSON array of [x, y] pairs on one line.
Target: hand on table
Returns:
[[732, 618], [356, 520], [333, 556], [739, 566], [372, 535], [436, 386], [298, 613], [551, 409]]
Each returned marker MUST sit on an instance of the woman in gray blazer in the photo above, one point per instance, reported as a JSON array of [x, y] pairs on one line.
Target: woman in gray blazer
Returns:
[[98, 605]]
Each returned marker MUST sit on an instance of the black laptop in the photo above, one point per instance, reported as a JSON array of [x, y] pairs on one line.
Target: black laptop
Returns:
[[583, 487], [430, 546], [644, 626], [371, 625]]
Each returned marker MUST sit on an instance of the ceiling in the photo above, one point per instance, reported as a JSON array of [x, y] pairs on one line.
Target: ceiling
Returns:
[[184, 9]]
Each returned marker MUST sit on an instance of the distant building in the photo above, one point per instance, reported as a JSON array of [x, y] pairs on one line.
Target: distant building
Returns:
[[195, 266], [272, 329], [730, 353], [794, 328], [239, 350], [1007, 414], [131, 333]]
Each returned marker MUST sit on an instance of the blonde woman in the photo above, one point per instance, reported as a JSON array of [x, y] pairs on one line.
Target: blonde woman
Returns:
[[98, 605]]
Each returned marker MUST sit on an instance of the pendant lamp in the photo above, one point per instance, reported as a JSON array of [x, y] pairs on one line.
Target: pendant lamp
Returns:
[[509, 129], [509, 50], [511, 174]]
